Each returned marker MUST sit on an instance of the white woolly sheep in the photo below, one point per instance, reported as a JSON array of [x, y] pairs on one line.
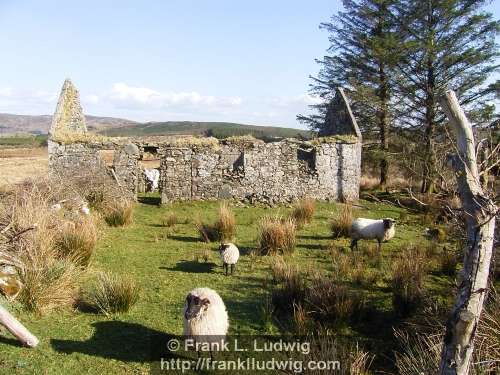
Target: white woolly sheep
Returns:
[[229, 254], [205, 318], [368, 229]]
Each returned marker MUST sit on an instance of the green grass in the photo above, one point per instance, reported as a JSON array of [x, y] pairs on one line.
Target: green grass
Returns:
[[24, 141], [162, 261]]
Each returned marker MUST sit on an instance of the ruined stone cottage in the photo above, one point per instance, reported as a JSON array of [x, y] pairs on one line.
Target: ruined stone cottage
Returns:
[[240, 168]]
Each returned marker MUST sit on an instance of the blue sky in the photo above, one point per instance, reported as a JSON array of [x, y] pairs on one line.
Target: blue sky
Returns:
[[219, 60]]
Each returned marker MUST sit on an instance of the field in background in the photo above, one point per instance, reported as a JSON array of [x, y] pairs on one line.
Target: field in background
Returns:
[[20, 163]]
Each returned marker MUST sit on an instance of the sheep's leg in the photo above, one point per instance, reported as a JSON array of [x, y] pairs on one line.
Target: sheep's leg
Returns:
[[379, 245], [354, 243], [233, 268], [225, 268]]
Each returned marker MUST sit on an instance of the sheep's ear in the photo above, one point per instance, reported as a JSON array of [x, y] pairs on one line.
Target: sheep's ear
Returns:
[[205, 302]]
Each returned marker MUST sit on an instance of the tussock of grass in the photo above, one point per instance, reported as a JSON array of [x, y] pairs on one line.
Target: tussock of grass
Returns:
[[303, 211], [408, 272], [223, 230], [119, 214], [277, 236], [77, 242], [341, 221], [448, 261], [226, 223], [48, 283], [111, 294], [170, 220]]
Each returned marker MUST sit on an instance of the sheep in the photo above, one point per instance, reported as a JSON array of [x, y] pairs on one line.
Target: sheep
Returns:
[[229, 254], [382, 230], [152, 177], [205, 318]]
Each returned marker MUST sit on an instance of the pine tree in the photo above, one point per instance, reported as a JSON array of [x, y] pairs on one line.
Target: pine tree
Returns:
[[361, 57], [448, 44]]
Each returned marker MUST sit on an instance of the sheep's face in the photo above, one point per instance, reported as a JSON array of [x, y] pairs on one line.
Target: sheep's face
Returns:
[[389, 223], [223, 247], [195, 306]]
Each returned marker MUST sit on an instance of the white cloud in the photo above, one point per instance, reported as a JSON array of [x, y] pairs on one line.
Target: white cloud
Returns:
[[298, 100], [144, 97]]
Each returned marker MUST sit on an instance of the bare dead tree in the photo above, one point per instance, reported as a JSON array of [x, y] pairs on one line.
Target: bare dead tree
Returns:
[[480, 214]]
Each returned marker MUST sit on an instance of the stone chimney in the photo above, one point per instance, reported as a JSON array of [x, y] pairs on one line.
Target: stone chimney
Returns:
[[68, 117], [339, 119]]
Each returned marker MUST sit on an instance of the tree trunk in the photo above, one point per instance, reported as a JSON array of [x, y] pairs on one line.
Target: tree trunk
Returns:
[[383, 126], [480, 213], [17, 329]]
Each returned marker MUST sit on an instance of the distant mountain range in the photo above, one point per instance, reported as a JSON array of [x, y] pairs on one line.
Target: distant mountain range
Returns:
[[114, 127], [12, 124]]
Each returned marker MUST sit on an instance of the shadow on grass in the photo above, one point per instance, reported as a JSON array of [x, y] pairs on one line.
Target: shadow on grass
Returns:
[[191, 266], [311, 246], [10, 341], [122, 341], [184, 238], [315, 237], [152, 201]]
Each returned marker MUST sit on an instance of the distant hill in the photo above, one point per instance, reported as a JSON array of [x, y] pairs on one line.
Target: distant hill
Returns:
[[116, 127], [11, 124], [214, 129]]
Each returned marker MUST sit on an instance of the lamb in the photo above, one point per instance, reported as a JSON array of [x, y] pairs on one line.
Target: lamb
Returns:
[[205, 318], [382, 230], [229, 254]]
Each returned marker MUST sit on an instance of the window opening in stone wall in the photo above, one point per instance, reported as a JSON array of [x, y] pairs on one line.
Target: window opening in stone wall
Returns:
[[307, 157], [107, 156]]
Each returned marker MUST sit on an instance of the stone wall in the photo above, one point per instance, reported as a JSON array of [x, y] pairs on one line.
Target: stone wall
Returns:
[[264, 172]]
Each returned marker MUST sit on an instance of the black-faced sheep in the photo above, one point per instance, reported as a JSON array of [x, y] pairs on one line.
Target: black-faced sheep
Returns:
[[205, 317], [229, 254], [368, 229]]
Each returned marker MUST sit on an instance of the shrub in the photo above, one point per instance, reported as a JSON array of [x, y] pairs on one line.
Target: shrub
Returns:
[[340, 223], [277, 236], [304, 211], [170, 220], [119, 213], [77, 242], [48, 283], [408, 273], [448, 262], [111, 293], [341, 264]]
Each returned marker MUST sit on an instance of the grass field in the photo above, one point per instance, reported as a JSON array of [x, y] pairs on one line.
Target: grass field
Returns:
[[166, 263], [20, 163]]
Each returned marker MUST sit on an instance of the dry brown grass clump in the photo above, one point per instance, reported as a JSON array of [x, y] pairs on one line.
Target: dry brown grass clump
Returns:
[[111, 293], [408, 272], [48, 283], [170, 220], [340, 223], [49, 246], [277, 236], [421, 351], [226, 223], [119, 213], [77, 241], [304, 211], [224, 228]]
